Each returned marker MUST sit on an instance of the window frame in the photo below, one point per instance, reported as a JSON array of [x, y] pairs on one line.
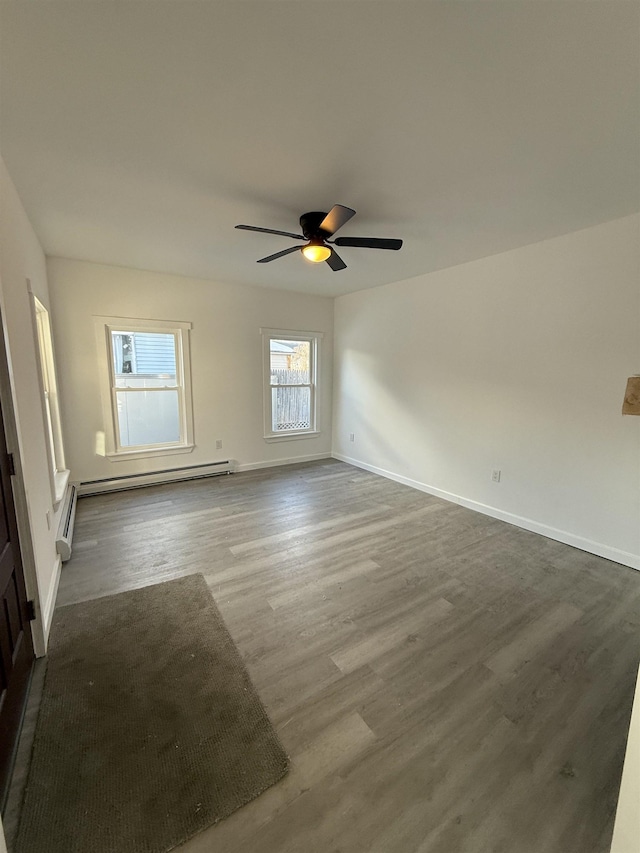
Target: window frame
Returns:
[[113, 449], [48, 387], [314, 340]]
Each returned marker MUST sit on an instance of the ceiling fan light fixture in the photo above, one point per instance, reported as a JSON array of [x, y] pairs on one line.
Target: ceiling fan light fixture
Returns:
[[317, 227], [316, 252]]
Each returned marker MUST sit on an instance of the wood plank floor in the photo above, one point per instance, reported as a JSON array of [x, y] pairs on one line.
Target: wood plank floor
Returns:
[[443, 682]]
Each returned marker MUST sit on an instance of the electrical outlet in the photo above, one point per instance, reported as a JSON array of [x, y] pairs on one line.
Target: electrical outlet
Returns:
[[219, 444], [352, 436], [495, 475]]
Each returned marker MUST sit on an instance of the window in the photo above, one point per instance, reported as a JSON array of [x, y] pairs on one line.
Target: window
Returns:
[[290, 382], [59, 475], [146, 386]]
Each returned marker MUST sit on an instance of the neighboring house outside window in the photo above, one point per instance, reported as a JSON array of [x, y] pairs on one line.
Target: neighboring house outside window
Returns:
[[290, 383], [146, 386]]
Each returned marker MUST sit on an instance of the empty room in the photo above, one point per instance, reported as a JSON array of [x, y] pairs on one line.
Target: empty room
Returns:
[[320, 447]]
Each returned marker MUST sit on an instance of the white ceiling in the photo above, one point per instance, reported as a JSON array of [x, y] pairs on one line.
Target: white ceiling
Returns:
[[140, 133]]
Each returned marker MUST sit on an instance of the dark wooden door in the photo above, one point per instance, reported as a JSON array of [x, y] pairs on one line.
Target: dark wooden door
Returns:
[[16, 646]]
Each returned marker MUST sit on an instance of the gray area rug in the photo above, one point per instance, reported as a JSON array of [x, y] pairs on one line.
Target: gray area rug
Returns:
[[149, 729]]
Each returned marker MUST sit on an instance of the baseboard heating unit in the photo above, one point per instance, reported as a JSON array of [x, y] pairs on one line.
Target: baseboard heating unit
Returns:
[[64, 536], [154, 478]]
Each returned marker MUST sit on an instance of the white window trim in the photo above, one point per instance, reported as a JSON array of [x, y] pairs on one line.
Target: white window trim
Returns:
[[48, 387], [103, 328], [314, 338]]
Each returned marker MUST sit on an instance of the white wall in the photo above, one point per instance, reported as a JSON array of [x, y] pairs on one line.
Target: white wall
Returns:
[[516, 362], [21, 260], [626, 832], [226, 357]]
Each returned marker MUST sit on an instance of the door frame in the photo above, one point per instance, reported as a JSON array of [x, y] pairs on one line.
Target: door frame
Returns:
[[12, 436]]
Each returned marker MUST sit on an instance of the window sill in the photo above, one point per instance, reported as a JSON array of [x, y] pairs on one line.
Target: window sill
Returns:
[[122, 455], [60, 479], [314, 433]]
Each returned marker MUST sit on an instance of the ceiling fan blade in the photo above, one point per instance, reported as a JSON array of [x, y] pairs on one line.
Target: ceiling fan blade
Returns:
[[336, 218], [335, 261], [368, 242], [279, 254], [270, 231]]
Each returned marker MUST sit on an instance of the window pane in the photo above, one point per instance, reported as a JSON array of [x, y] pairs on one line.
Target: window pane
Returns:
[[148, 417], [291, 408], [54, 433], [289, 362], [144, 359]]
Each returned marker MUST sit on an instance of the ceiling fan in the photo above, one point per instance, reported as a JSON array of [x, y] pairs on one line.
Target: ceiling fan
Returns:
[[317, 227]]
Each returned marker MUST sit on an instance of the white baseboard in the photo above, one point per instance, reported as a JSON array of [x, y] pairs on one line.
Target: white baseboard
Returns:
[[626, 558], [274, 463]]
